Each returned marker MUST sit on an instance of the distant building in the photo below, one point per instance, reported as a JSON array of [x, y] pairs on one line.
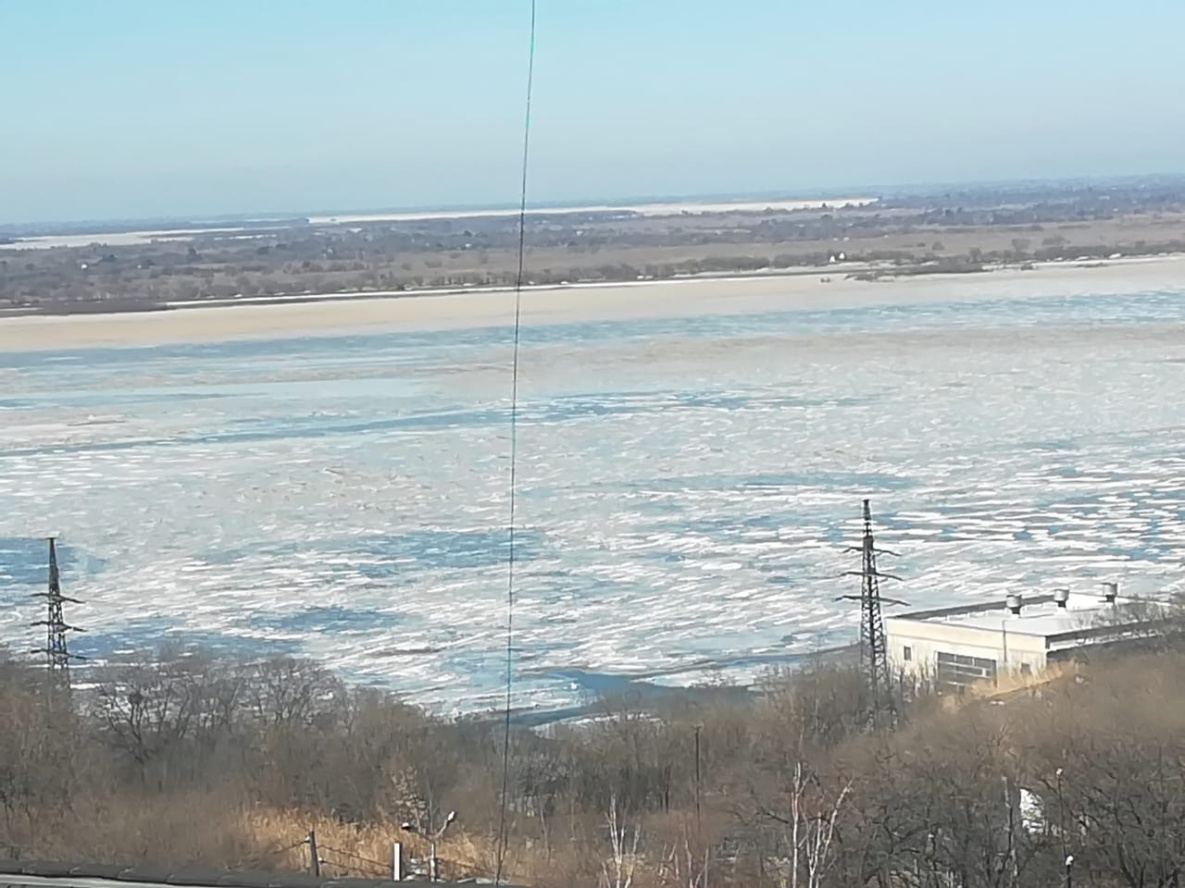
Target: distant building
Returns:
[[959, 646]]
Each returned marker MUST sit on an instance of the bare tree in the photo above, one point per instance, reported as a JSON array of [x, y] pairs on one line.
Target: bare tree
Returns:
[[287, 692], [148, 707], [618, 871]]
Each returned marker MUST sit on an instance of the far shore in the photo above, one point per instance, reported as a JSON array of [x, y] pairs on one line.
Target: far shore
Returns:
[[339, 314]]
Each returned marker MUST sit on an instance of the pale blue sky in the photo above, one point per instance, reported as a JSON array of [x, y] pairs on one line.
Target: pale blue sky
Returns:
[[140, 108]]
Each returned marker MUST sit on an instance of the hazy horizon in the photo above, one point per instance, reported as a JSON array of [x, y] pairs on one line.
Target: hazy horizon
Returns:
[[772, 195], [138, 110], [260, 215]]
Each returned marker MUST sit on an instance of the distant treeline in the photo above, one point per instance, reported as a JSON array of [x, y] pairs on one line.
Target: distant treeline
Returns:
[[956, 231]]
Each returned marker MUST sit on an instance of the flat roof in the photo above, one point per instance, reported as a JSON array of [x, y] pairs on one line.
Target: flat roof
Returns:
[[1039, 616]]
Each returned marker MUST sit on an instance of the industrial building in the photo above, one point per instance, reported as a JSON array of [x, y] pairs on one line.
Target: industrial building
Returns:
[[959, 646]]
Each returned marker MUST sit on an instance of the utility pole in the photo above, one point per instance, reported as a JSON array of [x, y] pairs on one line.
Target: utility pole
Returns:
[[396, 861], [879, 705], [56, 652], [314, 855], [1061, 814], [433, 860], [1011, 799]]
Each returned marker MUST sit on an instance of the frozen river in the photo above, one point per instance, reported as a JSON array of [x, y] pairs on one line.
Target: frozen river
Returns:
[[687, 487]]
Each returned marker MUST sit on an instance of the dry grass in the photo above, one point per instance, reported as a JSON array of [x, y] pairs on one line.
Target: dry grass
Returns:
[[1009, 683], [357, 849], [365, 850], [208, 830]]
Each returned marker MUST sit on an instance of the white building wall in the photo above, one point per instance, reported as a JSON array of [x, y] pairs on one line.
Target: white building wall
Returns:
[[914, 646]]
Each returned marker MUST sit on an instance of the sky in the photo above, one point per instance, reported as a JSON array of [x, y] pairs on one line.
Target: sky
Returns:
[[124, 109]]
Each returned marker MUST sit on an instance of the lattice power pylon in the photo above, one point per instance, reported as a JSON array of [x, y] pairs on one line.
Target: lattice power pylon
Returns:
[[878, 701], [56, 651]]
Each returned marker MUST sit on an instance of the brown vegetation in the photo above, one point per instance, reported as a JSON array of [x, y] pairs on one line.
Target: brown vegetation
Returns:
[[186, 760]]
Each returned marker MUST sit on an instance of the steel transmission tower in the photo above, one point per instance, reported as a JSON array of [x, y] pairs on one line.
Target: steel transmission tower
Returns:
[[56, 652], [878, 703]]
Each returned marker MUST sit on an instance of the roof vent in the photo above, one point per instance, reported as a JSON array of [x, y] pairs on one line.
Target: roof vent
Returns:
[[1061, 596], [1014, 602], [1110, 592]]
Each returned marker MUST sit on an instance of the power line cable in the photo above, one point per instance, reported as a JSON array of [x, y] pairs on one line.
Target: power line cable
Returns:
[[266, 855], [384, 865], [511, 552]]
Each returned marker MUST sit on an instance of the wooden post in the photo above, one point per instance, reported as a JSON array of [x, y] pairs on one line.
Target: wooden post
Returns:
[[313, 855], [697, 779], [396, 862]]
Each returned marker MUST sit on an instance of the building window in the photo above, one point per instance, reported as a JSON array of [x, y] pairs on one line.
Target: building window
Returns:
[[960, 670], [907, 653], [1026, 669]]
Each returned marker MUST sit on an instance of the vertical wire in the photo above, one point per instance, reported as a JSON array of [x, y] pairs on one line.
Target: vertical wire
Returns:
[[511, 551]]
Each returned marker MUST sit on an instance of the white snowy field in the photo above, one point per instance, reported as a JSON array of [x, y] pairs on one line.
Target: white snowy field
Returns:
[[687, 485], [669, 208]]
